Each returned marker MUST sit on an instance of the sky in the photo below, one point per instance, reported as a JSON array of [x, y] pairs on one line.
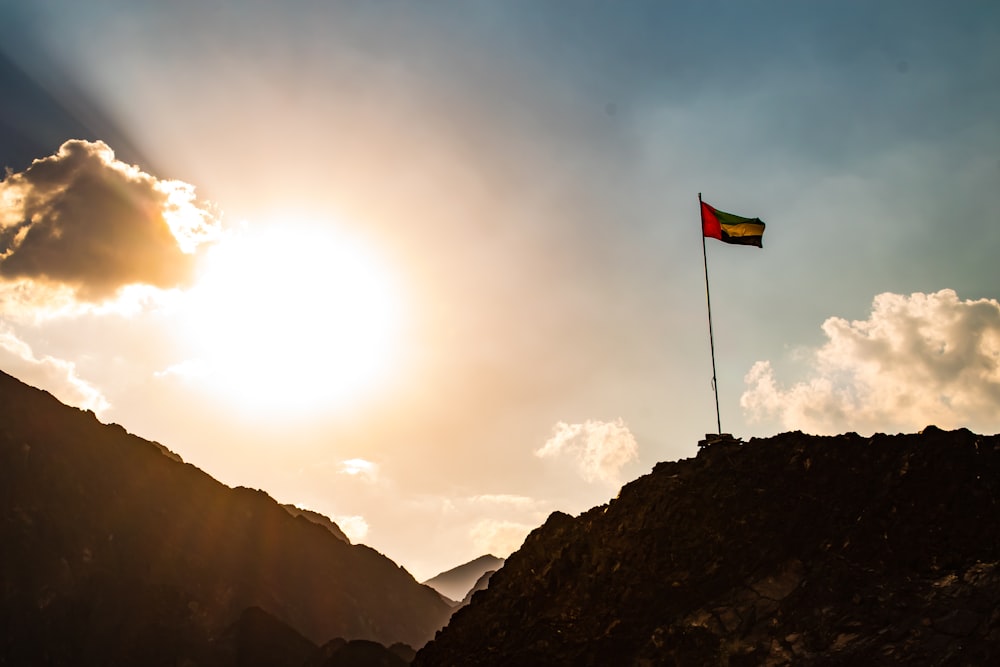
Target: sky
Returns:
[[435, 269]]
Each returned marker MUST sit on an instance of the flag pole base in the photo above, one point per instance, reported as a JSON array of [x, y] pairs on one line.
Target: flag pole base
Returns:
[[717, 438]]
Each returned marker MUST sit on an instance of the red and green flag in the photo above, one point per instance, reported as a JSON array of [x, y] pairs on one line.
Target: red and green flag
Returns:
[[730, 228]]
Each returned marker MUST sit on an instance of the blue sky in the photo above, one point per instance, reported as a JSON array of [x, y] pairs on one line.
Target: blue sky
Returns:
[[525, 176]]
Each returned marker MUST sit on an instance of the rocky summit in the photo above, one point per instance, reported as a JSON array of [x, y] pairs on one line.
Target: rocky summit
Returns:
[[790, 550]]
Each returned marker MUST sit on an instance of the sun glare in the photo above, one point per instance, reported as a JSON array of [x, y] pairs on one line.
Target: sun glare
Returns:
[[291, 318]]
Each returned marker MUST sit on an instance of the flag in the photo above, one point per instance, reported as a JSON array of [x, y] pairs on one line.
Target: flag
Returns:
[[730, 228]]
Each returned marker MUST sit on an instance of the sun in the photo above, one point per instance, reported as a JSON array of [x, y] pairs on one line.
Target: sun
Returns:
[[291, 317]]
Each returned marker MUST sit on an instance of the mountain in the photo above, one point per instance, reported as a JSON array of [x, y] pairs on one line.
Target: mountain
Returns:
[[790, 550], [457, 582], [317, 518], [258, 639], [116, 553], [360, 653], [481, 584]]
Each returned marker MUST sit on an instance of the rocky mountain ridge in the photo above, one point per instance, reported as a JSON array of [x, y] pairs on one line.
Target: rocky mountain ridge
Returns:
[[319, 519], [790, 550], [116, 553]]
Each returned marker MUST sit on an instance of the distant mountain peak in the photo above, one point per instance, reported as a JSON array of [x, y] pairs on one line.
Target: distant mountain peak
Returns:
[[456, 583]]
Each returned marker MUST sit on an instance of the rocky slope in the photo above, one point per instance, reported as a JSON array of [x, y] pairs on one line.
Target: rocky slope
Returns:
[[319, 519], [115, 553], [791, 550], [482, 583]]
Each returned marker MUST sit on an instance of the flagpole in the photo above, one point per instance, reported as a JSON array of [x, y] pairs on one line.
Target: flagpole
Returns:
[[711, 337]]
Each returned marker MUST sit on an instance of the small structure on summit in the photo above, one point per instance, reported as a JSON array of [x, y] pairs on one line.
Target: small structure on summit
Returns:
[[716, 438]]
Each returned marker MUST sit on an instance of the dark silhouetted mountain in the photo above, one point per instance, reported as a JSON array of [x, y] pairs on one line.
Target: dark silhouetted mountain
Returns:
[[456, 583], [790, 550], [115, 553], [258, 639], [406, 652], [361, 653], [318, 518]]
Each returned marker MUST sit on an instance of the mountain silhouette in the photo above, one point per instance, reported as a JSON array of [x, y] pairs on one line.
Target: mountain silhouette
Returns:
[[115, 552], [258, 639], [790, 550], [317, 518], [482, 583], [456, 583], [360, 653]]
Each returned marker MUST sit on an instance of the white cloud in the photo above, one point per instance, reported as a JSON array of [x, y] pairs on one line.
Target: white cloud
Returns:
[[499, 537], [601, 449], [359, 468], [55, 375], [354, 526], [189, 368], [917, 360]]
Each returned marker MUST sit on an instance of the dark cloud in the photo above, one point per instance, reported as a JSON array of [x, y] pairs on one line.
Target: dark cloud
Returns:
[[84, 219]]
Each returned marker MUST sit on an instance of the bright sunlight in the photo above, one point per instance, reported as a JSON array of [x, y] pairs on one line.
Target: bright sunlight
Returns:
[[291, 318]]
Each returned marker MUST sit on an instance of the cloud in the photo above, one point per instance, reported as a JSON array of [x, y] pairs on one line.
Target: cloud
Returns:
[[354, 526], [499, 537], [917, 360], [84, 219], [56, 375], [187, 369], [601, 449], [360, 468]]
